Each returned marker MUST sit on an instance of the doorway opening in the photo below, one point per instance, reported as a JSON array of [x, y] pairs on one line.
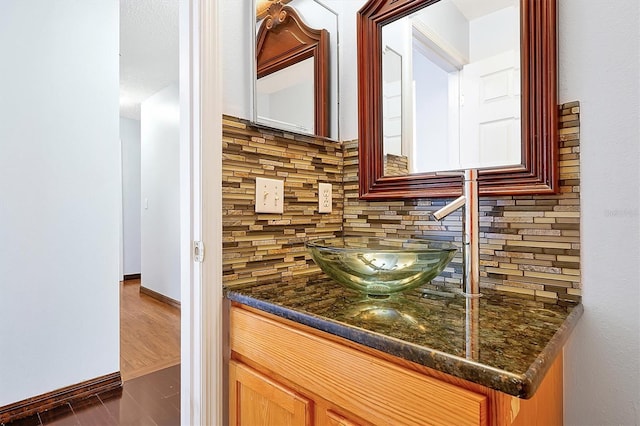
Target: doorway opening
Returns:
[[150, 153]]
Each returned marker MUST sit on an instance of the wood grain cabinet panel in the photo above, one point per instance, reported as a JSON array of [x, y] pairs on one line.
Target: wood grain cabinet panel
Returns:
[[259, 401]]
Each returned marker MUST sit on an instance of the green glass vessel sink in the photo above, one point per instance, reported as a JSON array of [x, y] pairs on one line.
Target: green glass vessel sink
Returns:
[[381, 266]]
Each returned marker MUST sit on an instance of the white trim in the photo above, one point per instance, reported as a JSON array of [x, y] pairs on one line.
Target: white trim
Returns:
[[120, 209], [211, 126], [189, 289], [201, 212], [439, 50]]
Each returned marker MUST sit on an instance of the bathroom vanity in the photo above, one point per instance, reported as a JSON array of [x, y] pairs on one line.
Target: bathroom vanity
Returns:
[[306, 351]]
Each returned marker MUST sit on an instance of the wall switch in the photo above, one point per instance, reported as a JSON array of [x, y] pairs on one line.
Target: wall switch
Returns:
[[269, 195], [325, 198]]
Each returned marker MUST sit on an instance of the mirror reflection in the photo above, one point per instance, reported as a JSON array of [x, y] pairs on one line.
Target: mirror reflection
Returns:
[[275, 93], [296, 87], [451, 87]]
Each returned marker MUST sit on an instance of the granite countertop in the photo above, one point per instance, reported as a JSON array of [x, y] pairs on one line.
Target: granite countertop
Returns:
[[504, 341]]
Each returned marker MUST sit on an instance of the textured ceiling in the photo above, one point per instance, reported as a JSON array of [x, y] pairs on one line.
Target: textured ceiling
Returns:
[[148, 51]]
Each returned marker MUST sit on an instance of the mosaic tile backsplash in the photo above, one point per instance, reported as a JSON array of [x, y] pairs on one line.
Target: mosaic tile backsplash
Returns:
[[259, 246], [528, 244]]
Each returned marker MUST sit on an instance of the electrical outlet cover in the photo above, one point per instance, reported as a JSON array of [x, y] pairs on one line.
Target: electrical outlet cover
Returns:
[[325, 198]]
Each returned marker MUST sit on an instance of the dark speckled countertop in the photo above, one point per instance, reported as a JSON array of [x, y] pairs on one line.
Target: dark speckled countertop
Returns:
[[504, 341]]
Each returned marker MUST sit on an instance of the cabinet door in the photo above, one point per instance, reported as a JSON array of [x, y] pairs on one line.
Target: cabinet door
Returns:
[[255, 400]]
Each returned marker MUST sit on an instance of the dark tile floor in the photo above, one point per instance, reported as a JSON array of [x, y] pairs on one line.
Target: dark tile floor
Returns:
[[153, 399]]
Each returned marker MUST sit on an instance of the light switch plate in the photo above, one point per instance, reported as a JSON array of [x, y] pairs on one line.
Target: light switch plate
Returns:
[[325, 198], [269, 195]]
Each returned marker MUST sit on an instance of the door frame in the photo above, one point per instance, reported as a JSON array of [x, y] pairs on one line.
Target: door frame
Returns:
[[201, 212]]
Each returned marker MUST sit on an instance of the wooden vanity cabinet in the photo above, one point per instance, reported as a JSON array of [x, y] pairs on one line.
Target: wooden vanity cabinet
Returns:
[[284, 373]]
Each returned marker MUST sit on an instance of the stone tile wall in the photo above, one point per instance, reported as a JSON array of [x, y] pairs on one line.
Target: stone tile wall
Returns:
[[529, 244], [262, 246]]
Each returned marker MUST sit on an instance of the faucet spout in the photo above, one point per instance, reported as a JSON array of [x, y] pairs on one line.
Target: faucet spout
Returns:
[[450, 208], [471, 234]]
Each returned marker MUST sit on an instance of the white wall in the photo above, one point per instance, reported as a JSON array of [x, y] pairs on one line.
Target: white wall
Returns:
[[598, 66], [160, 175], [495, 33], [59, 189], [431, 148], [130, 139]]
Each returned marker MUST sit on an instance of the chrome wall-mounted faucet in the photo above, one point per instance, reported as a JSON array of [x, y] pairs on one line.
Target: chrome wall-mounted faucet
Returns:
[[470, 231]]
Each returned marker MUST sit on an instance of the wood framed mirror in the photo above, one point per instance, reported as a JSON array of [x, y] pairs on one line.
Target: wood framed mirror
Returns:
[[290, 55], [537, 171]]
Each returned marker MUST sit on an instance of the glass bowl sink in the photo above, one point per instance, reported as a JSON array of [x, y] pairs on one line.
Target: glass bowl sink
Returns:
[[381, 266]]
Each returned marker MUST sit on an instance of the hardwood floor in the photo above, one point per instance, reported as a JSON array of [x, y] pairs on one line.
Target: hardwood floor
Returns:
[[149, 332], [153, 399]]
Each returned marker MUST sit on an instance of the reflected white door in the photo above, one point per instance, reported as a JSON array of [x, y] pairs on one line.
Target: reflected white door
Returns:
[[491, 110], [392, 101]]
